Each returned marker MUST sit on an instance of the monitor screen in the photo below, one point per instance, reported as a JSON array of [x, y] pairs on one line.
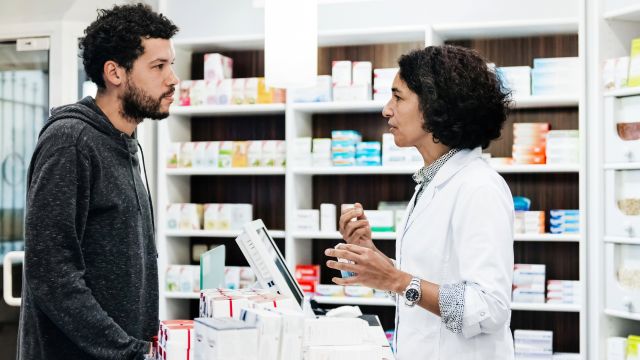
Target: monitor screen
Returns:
[[281, 265]]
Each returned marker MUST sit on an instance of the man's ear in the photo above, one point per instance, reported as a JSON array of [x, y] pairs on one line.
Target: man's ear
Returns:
[[113, 73]]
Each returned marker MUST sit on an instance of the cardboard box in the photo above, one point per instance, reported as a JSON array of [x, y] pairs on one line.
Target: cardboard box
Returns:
[[198, 92], [185, 157], [269, 327], [217, 67], [361, 72], [185, 92], [302, 151], [307, 220], [251, 91], [269, 153], [191, 217], [241, 214], [354, 92], [328, 218], [254, 153], [341, 73], [225, 339], [225, 154], [239, 157], [237, 91], [173, 150], [321, 92], [224, 92]]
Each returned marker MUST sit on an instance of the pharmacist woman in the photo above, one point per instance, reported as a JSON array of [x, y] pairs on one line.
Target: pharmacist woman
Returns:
[[452, 271]]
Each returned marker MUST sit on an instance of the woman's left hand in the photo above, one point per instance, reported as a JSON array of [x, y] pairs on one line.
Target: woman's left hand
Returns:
[[371, 269]]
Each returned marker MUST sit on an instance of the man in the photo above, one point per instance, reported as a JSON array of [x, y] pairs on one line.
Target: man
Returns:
[[90, 274]]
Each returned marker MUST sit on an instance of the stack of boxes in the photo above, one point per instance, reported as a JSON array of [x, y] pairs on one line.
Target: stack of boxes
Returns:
[[564, 221], [383, 82], [230, 339], [321, 155], [308, 276], [563, 147], [555, 76], [516, 79], [227, 154], [563, 292], [529, 283], [343, 147], [529, 222], [621, 348], [219, 88], [176, 340], [320, 92], [529, 143], [369, 153], [351, 81], [533, 344], [208, 216], [310, 220], [183, 278]]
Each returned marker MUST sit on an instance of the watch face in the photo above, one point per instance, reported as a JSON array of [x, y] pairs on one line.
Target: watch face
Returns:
[[412, 295]]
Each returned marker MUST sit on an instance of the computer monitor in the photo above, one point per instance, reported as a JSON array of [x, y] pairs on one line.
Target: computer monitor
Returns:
[[267, 262]]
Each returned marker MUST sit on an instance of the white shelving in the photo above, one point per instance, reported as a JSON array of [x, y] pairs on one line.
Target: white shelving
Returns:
[[278, 234], [406, 170], [622, 240], [225, 172], [623, 166], [393, 235], [298, 118], [181, 295], [623, 314], [628, 13], [212, 110], [375, 301], [623, 92]]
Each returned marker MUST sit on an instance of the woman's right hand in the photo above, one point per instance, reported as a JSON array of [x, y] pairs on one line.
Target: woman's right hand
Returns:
[[356, 232]]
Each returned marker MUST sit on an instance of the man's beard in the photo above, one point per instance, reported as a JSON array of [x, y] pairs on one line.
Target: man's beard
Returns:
[[137, 105]]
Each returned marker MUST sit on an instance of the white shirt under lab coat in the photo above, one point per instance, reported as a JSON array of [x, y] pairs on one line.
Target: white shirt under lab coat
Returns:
[[460, 231]]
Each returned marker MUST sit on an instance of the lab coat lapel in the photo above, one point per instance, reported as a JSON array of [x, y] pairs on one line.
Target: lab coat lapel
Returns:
[[450, 168]]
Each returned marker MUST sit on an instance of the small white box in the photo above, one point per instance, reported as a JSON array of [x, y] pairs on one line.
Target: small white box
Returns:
[[237, 91], [521, 295], [191, 217], [225, 154], [251, 91], [361, 72], [269, 153], [354, 92], [326, 331], [307, 220], [211, 154], [254, 153], [281, 153], [383, 78], [224, 92], [217, 67], [341, 73], [380, 220], [328, 218], [173, 216], [173, 151], [226, 339], [322, 146], [353, 352], [302, 151], [321, 92], [185, 157], [199, 151], [269, 327], [240, 215], [616, 348]]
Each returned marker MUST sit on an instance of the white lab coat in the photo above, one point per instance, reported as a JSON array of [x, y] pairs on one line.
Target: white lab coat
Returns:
[[460, 231]]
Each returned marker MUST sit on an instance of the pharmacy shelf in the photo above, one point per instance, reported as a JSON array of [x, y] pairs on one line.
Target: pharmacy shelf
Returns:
[[213, 110], [181, 295], [622, 314], [336, 235], [393, 170], [248, 171], [623, 92], [375, 301], [622, 166], [547, 237], [345, 300], [629, 13], [333, 107], [545, 101], [393, 236], [278, 234], [622, 240], [546, 307]]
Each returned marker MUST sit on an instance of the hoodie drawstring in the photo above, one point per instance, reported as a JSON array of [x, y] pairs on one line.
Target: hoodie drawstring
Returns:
[[144, 168], [133, 177]]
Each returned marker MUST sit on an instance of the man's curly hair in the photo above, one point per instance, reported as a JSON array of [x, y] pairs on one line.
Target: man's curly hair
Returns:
[[463, 102], [117, 35]]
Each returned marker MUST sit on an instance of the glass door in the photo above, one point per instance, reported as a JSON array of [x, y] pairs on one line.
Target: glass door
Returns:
[[24, 107]]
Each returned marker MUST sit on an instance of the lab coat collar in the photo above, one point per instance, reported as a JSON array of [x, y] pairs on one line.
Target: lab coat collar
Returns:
[[450, 168]]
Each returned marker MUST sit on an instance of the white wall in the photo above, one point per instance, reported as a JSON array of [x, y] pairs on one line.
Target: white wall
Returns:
[[199, 18]]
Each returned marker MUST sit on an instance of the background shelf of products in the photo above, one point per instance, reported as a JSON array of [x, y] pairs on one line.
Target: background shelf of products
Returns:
[[276, 194], [614, 242]]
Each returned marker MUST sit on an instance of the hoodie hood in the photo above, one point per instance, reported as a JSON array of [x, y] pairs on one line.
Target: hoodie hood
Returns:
[[87, 111]]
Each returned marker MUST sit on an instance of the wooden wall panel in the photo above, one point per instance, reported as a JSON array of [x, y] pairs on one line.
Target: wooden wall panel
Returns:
[[238, 128]]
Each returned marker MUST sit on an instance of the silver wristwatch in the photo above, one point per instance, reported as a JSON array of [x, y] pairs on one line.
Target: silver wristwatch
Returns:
[[413, 292]]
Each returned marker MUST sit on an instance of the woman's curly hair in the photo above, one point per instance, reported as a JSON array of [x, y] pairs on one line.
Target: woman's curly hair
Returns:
[[463, 102], [117, 35]]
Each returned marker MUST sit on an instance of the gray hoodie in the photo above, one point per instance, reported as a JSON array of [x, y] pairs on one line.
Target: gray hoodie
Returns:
[[90, 287]]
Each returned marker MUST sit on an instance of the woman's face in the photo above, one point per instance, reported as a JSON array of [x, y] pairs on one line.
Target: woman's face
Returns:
[[404, 116]]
